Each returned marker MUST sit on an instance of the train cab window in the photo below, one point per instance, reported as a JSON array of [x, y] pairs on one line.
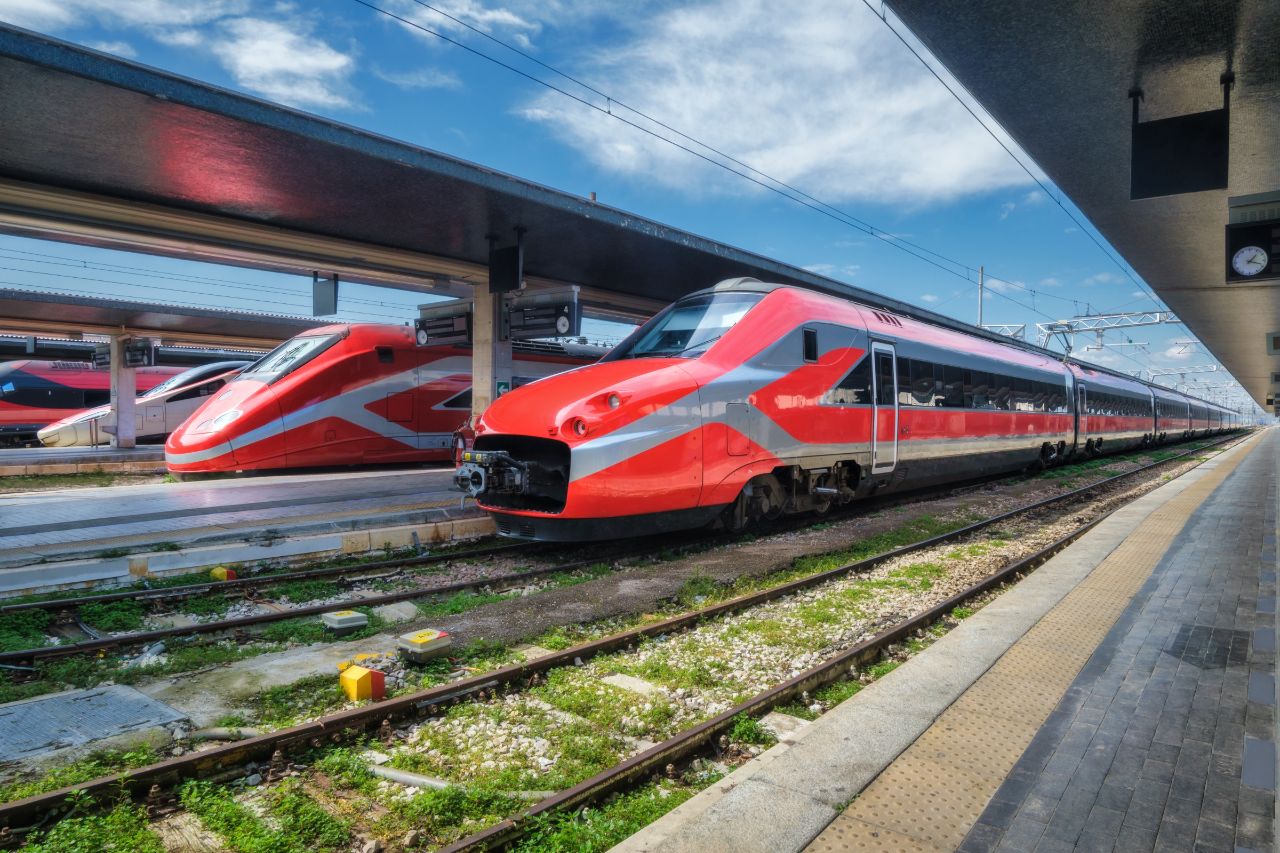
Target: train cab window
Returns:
[[386, 355], [460, 400], [289, 356], [97, 397], [688, 328], [810, 344]]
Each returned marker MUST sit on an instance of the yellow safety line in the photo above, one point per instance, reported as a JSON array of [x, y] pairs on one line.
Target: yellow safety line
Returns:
[[931, 795]]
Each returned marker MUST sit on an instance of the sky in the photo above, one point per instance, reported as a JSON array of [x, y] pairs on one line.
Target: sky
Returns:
[[820, 96]]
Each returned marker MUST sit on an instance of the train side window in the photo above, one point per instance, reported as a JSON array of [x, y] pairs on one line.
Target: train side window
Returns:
[[97, 398], [810, 344], [952, 387], [977, 393], [922, 384], [1002, 393], [855, 388], [189, 394], [386, 355], [884, 378]]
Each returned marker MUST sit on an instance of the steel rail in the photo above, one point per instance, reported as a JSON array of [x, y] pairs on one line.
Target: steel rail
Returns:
[[345, 725], [683, 744], [28, 657], [189, 590]]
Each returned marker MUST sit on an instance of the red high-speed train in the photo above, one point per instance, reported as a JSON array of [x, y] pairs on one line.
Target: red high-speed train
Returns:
[[34, 394], [346, 395], [748, 400]]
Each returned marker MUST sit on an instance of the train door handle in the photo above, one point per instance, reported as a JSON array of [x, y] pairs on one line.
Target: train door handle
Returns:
[[906, 430]]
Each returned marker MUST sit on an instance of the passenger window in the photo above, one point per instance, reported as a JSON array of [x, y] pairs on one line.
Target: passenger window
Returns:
[[922, 384], [386, 355], [810, 344], [854, 389], [953, 387]]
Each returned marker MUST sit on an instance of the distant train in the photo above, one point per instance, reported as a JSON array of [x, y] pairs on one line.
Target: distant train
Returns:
[[748, 401], [346, 395], [158, 412], [34, 394]]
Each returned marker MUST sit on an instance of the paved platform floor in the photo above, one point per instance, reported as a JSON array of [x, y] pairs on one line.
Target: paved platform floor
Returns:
[[1166, 740], [35, 458], [52, 523], [1138, 714], [1121, 697]]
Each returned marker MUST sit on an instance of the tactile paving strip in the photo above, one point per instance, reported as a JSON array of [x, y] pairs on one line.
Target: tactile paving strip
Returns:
[[933, 793]]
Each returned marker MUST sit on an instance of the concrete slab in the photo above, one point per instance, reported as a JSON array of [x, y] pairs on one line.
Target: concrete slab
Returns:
[[399, 611], [630, 682], [783, 726], [33, 729]]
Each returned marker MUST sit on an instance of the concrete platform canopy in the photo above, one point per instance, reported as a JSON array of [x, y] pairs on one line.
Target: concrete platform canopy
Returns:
[[103, 151], [1058, 76]]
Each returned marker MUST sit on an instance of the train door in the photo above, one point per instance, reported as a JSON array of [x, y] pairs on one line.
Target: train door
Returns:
[[1082, 415], [884, 424]]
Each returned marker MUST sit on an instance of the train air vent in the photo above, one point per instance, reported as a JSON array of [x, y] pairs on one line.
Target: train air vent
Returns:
[[504, 526], [526, 529], [887, 318]]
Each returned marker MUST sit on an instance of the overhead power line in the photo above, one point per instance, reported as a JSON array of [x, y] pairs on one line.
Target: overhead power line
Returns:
[[884, 19], [727, 162]]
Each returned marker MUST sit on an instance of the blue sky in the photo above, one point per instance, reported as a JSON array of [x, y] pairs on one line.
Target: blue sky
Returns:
[[820, 95]]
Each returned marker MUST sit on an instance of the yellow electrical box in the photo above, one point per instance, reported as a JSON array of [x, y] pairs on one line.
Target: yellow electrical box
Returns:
[[222, 573], [359, 683]]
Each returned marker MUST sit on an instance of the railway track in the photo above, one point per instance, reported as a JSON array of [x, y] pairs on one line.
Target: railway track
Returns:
[[65, 611], [273, 749]]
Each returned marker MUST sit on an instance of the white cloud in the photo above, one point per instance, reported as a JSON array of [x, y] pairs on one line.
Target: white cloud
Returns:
[[56, 14], [1033, 197], [284, 62], [839, 271], [817, 94], [422, 78], [1050, 282], [180, 37], [929, 297], [1102, 278], [119, 48], [37, 14]]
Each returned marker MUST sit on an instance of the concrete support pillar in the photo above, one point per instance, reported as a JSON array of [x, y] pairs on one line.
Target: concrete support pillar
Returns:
[[124, 393], [491, 360]]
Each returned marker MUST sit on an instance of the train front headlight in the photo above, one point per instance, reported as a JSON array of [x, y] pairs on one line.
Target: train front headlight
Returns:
[[226, 418]]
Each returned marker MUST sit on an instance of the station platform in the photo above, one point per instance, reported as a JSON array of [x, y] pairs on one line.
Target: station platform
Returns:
[[1121, 697], [17, 461], [109, 531]]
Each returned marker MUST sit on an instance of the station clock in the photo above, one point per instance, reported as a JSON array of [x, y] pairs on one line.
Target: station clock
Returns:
[[1253, 251]]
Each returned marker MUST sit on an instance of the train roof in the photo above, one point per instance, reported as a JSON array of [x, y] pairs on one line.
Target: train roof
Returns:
[[746, 283]]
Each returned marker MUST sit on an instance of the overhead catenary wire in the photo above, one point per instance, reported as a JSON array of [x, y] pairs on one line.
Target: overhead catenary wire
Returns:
[[764, 180], [1087, 231]]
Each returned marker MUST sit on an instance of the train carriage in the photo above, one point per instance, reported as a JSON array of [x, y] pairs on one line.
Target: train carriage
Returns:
[[34, 394], [747, 401], [1113, 413], [352, 394], [1173, 415]]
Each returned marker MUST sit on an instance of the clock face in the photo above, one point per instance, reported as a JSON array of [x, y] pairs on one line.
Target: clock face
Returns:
[[1250, 260]]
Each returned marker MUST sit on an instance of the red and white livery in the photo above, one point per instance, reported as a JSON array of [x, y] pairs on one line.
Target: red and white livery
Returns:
[[343, 395], [748, 400]]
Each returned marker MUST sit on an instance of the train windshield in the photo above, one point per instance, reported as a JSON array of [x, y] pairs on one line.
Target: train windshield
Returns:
[[289, 356], [195, 374], [688, 328]]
